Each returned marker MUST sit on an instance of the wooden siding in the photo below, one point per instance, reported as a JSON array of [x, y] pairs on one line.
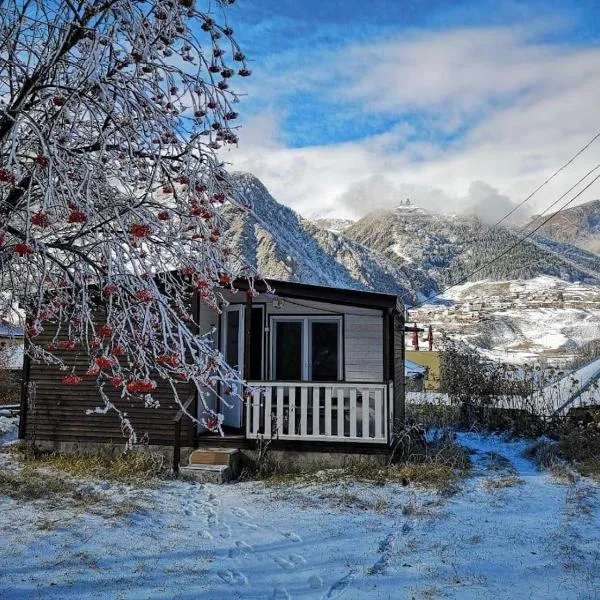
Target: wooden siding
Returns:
[[57, 412], [398, 362]]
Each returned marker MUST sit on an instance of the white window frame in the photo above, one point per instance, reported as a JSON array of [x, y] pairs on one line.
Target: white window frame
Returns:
[[240, 309], [306, 321]]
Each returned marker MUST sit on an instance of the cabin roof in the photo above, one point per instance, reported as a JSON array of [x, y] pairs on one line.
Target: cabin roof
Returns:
[[333, 295]]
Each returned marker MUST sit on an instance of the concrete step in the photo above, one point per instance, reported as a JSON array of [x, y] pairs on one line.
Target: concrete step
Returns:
[[206, 473], [215, 456]]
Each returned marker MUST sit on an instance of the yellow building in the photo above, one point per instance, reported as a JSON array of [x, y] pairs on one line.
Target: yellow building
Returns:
[[430, 360]]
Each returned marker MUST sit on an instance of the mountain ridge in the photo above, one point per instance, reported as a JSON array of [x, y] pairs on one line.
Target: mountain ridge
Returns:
[[578, 225]]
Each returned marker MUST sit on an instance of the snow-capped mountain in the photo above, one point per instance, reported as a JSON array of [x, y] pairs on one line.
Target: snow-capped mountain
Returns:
[[540, 299], [333, 224], [283, 245], [449, 249], [579, 226]]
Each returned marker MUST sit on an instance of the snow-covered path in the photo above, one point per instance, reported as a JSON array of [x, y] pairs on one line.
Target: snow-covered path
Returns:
[[538, 538]]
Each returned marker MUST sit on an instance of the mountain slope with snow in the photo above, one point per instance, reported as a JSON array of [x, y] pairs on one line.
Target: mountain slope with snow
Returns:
[[579, 226], [450, 249], [283, 245], [518, 321]]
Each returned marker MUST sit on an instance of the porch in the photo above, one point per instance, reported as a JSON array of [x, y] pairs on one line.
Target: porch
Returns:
[[339, 412]]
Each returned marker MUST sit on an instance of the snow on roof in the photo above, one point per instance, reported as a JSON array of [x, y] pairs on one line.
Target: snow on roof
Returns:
[[412, 369], [7, 330], [577, 388]]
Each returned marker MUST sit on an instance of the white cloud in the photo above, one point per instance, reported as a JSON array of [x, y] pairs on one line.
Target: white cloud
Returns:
[[529, 106]]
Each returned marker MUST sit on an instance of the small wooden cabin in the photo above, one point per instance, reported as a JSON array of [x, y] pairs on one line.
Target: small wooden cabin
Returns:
[[326, 368]]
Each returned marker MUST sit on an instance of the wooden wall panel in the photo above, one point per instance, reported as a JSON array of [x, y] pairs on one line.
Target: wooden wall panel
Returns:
[[57, 412]]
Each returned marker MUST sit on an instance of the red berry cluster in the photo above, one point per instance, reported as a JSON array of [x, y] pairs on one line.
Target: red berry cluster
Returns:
[[169, 360], [144, 295], [140, 230], [104, 362], [105, 330], [141, 386], [77, 216], [71, 379]]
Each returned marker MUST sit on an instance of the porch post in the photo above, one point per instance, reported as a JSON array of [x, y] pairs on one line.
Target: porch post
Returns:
[[247, 355], [399, 359], [247, 336], [24, 399]]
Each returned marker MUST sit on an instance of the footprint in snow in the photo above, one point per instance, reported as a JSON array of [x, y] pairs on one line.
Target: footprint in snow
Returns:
[[290, 535], [340, 585], [280, 593], [248, 525], [233, 577], [241, 549], [206, 534], [292, 561], [297, 559], [283, 563], [315, 582], [225, 530], [240, 512]]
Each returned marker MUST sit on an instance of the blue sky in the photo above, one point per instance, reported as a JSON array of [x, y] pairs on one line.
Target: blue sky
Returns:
[[407, 90]]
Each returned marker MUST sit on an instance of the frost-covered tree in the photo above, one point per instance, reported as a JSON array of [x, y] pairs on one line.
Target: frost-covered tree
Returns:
[[111, 113]]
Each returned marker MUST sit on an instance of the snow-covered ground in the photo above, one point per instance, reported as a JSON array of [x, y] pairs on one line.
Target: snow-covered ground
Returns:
[[539, 538], [517, 321]]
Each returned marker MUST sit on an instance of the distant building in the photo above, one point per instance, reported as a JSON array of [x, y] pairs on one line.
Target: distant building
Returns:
[[414, 376], [11, 347], [431, 362]]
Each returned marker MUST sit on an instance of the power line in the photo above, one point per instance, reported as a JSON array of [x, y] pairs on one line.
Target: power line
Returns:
[[546, 182], [520, 240]]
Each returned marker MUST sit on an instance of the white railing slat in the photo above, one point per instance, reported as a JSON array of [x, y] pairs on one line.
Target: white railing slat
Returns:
[[379, 416], [340, 412], [353, 412], [248, 405], [328, 391], [316, 410], [366, 395], [256, 411], [292, 411], [268, 419], [303, 410], [279, 411]]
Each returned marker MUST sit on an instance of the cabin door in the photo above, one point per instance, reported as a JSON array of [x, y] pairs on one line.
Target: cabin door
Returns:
[[232, 347]]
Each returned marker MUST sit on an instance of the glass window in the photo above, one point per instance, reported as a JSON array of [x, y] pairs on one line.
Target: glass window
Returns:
[[324, 351], [288, 350]]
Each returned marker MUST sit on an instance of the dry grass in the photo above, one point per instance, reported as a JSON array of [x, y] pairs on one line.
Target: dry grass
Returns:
[[134, 467], [439, 468], [506, 481], [25, 485], [590, 468], [544, 454], [547, 456], [60, 491]]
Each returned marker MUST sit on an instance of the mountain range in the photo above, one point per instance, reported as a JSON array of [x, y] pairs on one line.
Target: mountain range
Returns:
[[522, 294], [579, 226], [405, 250]]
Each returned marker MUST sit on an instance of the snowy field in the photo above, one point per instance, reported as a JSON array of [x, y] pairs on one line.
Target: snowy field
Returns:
[[537, 538]]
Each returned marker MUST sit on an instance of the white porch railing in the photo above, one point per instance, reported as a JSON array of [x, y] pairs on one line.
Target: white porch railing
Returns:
[[333, 412]]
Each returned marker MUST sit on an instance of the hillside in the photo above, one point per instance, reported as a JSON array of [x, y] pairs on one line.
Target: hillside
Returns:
[[518, 321], [449, 249], [283, 245], [579, 226]]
